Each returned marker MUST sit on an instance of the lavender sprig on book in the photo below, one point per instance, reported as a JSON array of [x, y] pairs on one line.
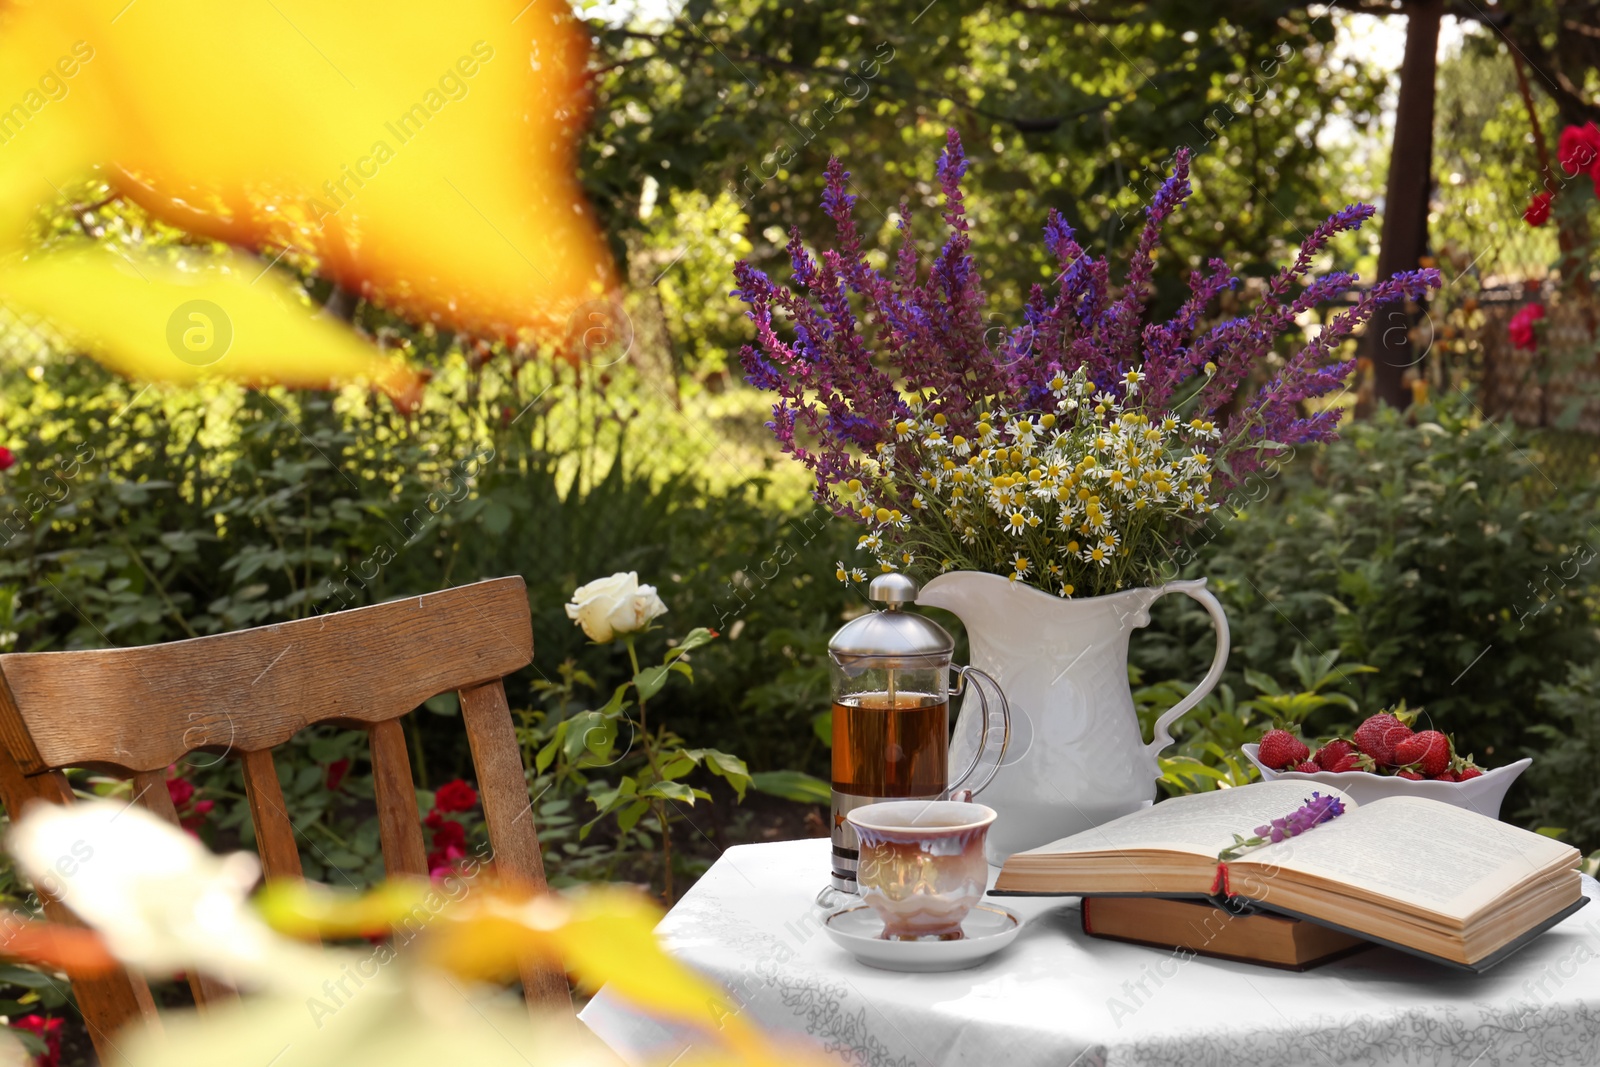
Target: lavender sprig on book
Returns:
[[1314, 812]]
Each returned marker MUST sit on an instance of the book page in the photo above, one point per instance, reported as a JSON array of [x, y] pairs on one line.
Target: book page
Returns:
[[1201, 823], [1431, 855]]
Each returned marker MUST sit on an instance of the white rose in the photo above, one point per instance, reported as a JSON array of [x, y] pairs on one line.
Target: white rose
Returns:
[[616, 605]]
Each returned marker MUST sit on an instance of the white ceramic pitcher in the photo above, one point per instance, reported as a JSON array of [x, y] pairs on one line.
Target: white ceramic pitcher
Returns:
[[1076, 757]]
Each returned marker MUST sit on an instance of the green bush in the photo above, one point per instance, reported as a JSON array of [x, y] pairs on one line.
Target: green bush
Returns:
[[1563, 778], [1437, 553]]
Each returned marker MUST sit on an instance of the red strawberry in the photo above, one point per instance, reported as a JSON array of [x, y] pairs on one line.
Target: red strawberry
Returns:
[[1369, 735], [1333, 753], [1307, 767], [1393, 737], [1352, 762], [1466, 774], [1280, 749], [1449, 776], [1430, 750], [1413, 775]]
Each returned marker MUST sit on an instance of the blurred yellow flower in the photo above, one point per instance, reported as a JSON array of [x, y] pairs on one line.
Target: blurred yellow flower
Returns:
[[420, 156]]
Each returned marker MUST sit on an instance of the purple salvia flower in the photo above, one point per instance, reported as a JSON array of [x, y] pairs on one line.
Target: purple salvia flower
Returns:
[[1126, 312], [833, 343]]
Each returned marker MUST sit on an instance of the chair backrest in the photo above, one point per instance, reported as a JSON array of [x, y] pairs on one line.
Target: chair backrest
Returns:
[[133, 712]]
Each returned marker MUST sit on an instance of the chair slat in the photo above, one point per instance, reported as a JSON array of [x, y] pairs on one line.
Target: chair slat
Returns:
[[112, 1000], [150, 793], [280, 857], [503, 787], [398, 828], [143, 709]]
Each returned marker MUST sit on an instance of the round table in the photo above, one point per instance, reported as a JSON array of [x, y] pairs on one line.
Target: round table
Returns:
[[1057, 997]]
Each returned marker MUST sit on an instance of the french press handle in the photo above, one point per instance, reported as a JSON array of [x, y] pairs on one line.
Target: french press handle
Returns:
[[959, 790]]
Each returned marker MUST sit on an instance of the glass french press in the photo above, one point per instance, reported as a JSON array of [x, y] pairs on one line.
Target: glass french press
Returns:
[[891, 715]]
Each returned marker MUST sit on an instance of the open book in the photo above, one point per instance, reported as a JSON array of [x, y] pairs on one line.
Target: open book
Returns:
[[1419, 875]]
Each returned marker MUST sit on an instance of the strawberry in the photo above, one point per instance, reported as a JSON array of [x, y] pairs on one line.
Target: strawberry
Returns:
[[1355, 761], [1393, 737], [1449, 776], [1429, 750], [1307, 767], [1332, 753], [1369, 735], [1413, 775], [1466, 774], [1280, 750]]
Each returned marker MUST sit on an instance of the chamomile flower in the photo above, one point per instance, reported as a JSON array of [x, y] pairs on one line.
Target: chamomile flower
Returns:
[[1097, 555], [869, 542], [1020, 566], [843, 573], [1017, 521]]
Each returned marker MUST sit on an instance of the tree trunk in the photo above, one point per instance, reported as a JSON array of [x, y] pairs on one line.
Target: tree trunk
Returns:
[[1405, 204]]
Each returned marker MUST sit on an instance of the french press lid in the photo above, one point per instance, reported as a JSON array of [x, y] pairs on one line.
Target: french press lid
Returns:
[[891, 638]]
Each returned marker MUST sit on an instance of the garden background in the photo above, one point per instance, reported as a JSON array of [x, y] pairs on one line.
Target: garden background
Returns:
[[1438, 554]]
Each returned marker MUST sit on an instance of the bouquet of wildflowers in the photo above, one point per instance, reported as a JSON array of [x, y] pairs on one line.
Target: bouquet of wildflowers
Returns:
[[1076, 452]]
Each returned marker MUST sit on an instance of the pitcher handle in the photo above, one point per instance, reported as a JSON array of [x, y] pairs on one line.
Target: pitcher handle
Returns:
[[1194, 588], [958, 789]]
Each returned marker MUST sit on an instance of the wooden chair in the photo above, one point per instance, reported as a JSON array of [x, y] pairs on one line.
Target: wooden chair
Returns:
[[133, 712]]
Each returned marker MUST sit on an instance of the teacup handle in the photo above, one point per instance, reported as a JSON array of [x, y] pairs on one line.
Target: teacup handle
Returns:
[[959, 790], [1194, 588]]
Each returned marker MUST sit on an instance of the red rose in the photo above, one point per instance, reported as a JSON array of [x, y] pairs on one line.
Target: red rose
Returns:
[[1579, 149], [1538, 212], [449, 833], [8, 459], [1521, 328], [181, 790], [49, 1030], [441, 863], [455, 796], [336, 772]]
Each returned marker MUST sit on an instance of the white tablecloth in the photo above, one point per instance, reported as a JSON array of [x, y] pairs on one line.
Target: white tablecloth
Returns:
[[1056, 997]]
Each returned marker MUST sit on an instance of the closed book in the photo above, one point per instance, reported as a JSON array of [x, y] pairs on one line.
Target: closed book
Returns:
[[1202, 928]]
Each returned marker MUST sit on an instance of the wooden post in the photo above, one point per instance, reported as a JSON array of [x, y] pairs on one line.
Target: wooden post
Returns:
[[1405, 204]]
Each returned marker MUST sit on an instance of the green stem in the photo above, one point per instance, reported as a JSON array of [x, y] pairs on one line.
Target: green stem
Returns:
[[658, 804]]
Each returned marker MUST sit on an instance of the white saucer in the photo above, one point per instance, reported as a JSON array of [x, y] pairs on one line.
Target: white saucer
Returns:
[[987, 929]]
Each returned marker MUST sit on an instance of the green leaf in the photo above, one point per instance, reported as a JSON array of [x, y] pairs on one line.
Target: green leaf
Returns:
[[618, 700], [691, 641], [792, 785], [671, 791], [1263, 682], [590, 739], [629, 816], [11, 974], [681, 763], [731, 768], [650, 680], [547, 754]]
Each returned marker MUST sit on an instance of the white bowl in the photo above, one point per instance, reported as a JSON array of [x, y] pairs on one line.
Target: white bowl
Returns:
[[1482, 794]]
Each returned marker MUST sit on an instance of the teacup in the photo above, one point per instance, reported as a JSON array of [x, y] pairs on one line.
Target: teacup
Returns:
[[922, 867]]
